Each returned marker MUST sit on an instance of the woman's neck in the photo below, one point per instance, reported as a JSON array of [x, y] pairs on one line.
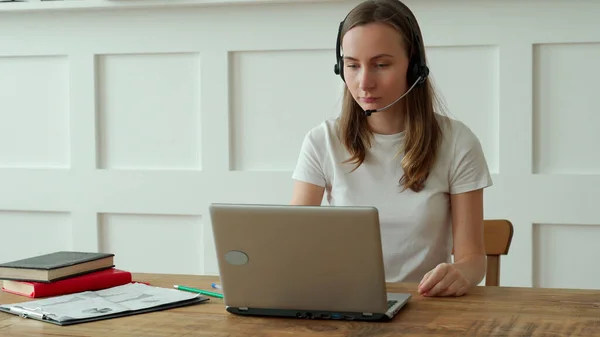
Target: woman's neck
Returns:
[[386, 122]]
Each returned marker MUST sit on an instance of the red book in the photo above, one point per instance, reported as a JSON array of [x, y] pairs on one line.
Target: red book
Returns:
[[98, 280]]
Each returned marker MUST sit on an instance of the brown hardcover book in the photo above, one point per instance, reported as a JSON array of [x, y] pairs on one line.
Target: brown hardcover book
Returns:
[[55, 266]]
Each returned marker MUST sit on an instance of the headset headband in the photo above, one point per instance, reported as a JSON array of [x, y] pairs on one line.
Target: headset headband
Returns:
[[417, 67]]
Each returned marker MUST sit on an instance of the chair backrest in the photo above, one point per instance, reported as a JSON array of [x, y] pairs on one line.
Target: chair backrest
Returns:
[[497, 236]]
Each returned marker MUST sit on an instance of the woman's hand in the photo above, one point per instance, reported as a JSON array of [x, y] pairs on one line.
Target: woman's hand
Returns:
[[444, 280]]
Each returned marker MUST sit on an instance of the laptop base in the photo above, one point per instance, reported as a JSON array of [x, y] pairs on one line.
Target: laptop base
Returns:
[[397, 302], [307, 314]]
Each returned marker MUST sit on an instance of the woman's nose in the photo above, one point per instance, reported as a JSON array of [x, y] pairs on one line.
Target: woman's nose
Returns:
[[366, 80]]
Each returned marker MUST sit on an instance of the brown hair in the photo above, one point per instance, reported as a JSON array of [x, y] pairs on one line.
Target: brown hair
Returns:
[[422, 131]]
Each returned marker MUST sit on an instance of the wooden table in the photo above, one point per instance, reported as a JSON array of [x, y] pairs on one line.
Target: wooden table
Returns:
[[487, 311]]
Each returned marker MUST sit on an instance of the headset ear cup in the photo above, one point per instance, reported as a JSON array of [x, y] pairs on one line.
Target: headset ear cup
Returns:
[[424, 72], [419, 70], [338, 68], [414, 72]]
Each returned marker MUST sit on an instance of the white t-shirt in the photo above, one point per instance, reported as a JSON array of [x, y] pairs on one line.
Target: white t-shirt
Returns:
[[416, 228]]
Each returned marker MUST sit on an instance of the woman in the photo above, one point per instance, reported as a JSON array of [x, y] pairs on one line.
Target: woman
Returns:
[[423, 171]]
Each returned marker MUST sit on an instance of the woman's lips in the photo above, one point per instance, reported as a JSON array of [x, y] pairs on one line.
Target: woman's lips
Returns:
[[369, 99]]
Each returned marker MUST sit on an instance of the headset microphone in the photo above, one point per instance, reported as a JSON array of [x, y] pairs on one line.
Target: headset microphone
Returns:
[[369, 112]]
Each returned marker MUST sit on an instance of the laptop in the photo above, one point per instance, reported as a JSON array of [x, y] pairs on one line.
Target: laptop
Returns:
[[312, 262]]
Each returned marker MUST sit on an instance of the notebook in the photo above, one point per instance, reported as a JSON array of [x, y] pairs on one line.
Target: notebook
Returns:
[[97, 280], [88, 306], [55, 266]]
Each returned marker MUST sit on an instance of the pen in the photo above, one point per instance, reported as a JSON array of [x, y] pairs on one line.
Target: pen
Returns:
[[215, 285], [199, 291]]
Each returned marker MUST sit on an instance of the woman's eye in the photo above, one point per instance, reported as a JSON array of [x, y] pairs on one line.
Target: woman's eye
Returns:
[[382, 65]]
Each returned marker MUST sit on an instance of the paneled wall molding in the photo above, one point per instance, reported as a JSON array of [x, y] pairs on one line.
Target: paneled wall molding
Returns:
[[54, 5], [122, 120]]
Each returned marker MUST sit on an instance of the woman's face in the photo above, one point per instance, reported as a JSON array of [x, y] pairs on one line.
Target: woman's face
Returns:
[[375, 64]]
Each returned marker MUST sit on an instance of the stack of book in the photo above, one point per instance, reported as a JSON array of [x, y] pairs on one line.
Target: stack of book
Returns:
[[60, 273]]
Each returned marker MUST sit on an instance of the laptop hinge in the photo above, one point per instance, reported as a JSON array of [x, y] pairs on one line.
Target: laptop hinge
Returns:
[[243, 308], [367, 314]]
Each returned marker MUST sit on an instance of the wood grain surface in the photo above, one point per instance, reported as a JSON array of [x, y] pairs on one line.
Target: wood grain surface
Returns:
[[486, 311]]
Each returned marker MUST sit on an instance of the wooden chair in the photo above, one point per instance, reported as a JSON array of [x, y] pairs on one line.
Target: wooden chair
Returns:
[[497, 236]]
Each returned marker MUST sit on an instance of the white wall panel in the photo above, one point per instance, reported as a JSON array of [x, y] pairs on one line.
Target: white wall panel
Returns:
[[34, 111], [566, 113], [277, 96], [563, 253], [475, 100], [148, 111], [145, 242], [25, 234]]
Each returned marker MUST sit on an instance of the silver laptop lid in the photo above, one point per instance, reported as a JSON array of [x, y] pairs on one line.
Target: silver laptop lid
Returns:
[[300, 257]]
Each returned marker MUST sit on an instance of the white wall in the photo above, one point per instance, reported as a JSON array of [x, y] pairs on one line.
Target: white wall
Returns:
[[120, 124]]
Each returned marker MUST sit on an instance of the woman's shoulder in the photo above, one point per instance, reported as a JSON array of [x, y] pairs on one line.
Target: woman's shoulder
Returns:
[[456, 133], [323, 131], [462, 157]]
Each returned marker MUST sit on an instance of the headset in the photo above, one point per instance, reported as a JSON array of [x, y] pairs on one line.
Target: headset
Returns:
[[417, 69]]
